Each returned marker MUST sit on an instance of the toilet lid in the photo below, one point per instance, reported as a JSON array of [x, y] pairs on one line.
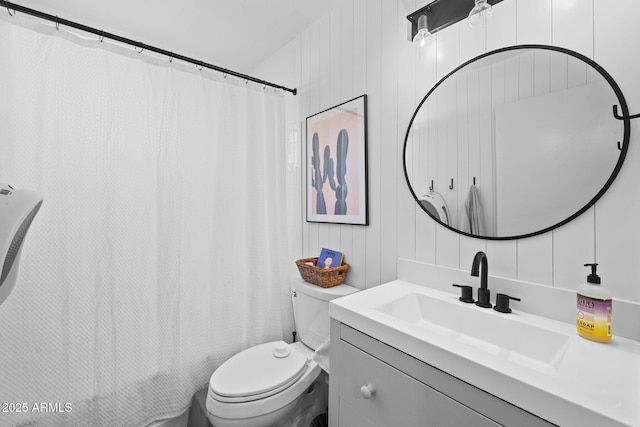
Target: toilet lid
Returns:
[[258, 372]]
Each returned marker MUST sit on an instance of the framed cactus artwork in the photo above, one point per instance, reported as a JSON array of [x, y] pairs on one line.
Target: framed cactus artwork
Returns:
[[337, 164]]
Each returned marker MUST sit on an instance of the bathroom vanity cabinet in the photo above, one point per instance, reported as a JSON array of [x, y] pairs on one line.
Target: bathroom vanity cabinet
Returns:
[[373, 384]]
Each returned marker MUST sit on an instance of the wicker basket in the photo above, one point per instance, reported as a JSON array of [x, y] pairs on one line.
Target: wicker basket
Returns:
[[324, 277]]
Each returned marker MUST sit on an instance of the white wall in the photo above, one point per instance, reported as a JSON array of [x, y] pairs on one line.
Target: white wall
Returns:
[[361, 47]]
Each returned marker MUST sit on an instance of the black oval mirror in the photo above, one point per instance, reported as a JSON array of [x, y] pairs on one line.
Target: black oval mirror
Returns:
[[516, 142]]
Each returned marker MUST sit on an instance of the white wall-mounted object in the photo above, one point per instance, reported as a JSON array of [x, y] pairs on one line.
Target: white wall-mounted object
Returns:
[[17, 210]]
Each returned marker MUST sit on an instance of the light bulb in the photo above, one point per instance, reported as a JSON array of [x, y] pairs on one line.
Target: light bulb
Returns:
[[421, 38], [423, 33], [482, 8]]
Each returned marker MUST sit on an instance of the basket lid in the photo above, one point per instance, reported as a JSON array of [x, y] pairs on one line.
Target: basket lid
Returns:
[[258, 372]]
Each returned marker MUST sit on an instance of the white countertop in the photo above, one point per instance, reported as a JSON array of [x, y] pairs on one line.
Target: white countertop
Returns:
[[590, 383]]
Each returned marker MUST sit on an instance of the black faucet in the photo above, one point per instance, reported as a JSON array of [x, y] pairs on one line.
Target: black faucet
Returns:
[[480, 261]]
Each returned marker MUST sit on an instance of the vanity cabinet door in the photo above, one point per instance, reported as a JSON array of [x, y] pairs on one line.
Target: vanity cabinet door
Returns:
[[384, 396]]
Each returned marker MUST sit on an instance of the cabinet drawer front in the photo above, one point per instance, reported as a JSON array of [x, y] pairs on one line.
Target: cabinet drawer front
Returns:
[[397, 399]]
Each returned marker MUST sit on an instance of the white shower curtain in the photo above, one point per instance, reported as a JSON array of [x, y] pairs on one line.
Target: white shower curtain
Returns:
[[160, 249]]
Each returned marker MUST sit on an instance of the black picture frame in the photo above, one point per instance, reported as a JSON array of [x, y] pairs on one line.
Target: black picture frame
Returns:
[[337, 180]]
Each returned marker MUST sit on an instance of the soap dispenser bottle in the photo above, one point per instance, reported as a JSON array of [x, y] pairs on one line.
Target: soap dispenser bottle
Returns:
[[593, 317]]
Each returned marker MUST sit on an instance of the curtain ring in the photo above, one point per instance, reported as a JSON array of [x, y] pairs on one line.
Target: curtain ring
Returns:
[[101, 36], [57, 23], [9, 11]]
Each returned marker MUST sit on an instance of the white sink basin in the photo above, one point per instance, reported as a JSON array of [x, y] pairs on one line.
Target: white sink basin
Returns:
[[499, 334]]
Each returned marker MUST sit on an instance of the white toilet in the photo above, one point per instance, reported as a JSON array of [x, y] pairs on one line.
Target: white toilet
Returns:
[[278, 384]]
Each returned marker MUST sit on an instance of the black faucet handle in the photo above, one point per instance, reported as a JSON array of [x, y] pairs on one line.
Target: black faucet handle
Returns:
[[502, 303], [483, 298], [467, 293]]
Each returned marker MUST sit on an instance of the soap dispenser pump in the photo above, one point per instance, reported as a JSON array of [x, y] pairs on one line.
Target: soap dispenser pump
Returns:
[[593, 316]]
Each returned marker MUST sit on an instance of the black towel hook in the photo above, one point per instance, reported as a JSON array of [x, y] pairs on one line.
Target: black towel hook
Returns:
[[431, 186], [451, 185], [619, 117]]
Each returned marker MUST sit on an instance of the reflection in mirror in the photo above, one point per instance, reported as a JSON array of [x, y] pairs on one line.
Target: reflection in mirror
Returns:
[[516, 142]]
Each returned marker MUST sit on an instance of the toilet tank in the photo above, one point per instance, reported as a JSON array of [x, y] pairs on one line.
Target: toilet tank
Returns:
[[311, 310]]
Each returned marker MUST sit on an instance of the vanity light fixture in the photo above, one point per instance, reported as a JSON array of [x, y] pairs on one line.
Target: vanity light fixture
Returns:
[[482, 8], [439, 14], [423, 33]]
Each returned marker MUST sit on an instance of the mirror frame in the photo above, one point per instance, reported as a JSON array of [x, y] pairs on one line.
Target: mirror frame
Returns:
[[612, 177]]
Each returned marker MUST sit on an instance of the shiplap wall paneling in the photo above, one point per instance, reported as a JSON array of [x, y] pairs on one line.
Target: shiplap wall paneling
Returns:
[[501, 29], [618, 229], [486, 95], [542, 79], [473, 40], [572, 28], [594, 29], [376, 173], [335, 37], [390, 164], [357, 85], [453, 180], [447, 53], [533, 256], [492, 85], [519, 84], [350, 63], [464, 178], [448, 57], [472, 44], [522, 84], [424, 78], [313, 107], [534, 21], [325, 231], [406, 206], [335, 97]]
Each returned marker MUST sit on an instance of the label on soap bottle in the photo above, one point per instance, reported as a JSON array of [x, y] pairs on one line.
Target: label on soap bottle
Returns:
[[593, 318]]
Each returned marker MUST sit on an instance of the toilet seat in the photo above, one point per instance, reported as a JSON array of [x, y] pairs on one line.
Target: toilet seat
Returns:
[[257, 372], [252, 405]]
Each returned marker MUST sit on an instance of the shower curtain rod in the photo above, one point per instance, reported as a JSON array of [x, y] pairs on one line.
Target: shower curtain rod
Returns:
[[60, 21]]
